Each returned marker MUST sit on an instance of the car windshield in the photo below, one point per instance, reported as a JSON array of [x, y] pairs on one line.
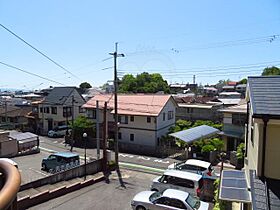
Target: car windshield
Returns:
[[154, 196], [193, 202]]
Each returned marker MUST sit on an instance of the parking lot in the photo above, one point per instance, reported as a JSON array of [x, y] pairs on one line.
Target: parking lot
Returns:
[[30, 166], [104, 196]]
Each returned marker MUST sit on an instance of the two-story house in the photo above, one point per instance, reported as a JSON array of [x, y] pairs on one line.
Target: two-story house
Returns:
[[258, 185], [234, 120], [143, 119], [58, 108]]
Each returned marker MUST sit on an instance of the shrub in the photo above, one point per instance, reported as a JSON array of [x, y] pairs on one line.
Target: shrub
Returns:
[[208, 148], [217, 143], [240, 151]]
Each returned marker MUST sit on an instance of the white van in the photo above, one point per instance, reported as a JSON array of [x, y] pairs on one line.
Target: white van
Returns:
[[180, 180], [58, 131]]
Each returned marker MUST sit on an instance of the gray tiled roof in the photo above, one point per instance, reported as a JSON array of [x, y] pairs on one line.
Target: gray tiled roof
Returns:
[[59, 95], [265, 95]]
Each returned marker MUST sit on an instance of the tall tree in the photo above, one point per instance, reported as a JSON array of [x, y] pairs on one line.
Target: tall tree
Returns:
[[143, 83], [271, 71], [243, 81], [84, 86]]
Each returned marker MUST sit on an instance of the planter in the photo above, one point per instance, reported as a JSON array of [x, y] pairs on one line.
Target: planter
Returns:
[[240, 164]]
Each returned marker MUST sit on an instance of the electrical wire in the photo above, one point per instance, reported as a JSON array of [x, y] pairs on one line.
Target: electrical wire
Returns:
[[34, 48], [30, 73]]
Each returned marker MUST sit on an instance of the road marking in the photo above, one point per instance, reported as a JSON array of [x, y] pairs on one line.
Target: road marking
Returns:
[[125, 155], [161, 161], [55, 142], [143, 158], [142, 167], [47, 150], [40, 172]]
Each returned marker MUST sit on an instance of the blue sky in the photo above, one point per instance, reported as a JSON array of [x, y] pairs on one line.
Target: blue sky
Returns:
[[210, 39]]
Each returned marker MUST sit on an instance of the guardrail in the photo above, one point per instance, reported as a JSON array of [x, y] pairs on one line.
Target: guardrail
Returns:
[[10, 178]]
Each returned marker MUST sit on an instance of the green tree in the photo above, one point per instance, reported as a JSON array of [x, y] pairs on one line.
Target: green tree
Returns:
[[143, 83], [82, 124], [271, 71], [84, 85], [243, 81]]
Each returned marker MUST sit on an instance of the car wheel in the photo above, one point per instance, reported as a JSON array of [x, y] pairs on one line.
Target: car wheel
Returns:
[[44, 167], [54, 135], [140, 208]]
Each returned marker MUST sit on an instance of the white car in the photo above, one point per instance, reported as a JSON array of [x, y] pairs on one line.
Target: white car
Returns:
[[193, 165], [59, 131], [169, 199]]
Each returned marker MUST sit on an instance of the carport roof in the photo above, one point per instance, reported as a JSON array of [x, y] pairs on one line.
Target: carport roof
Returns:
[[195, 133]]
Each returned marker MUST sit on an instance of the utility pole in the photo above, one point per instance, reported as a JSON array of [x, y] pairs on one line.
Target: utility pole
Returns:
[[193, 79], [72, 135], [116, 55], [6, 110], [97, 131], [105, 137]]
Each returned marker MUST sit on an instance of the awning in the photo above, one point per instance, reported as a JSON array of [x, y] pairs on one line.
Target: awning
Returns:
[[232, 134], [233, 187], [196, 133]]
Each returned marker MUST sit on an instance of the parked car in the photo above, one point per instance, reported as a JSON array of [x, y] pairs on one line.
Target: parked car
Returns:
[[193, 165], [60, 160], [181, 180], [169, 199], [58, 131]]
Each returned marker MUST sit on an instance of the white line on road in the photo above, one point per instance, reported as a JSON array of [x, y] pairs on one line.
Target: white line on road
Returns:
[[40, 172]]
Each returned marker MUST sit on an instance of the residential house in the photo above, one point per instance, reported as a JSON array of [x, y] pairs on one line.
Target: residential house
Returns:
[[262, 141], [234, 120], [58, 108], [198, 108], [143, 119], [14, 117], [182, 88], [229, 98]]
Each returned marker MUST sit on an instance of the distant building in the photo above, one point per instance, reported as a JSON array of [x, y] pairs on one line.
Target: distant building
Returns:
[[143, 119], [234, 120], [57, 108], [180, 88], [198, 108]]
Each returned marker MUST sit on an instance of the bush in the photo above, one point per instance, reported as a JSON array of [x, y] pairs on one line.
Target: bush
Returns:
[[240, 151], [219, 205], [217, 143], [208, 148]]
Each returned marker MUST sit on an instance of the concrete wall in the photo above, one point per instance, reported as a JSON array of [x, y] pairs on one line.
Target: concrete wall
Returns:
[[92, 168]]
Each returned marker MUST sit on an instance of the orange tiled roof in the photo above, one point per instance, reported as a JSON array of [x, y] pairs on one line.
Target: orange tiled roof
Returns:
[[137, 104]]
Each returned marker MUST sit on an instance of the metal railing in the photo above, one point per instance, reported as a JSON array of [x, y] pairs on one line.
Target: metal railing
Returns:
[[9, 185]]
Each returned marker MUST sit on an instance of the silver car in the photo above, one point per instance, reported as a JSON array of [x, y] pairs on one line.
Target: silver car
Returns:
[[169, 199]]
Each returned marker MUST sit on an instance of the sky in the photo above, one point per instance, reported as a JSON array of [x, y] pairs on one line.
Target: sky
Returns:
[[212, 40]]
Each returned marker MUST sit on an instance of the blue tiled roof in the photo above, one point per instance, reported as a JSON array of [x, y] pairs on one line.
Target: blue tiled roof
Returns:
[[265, 95], [195, 133]]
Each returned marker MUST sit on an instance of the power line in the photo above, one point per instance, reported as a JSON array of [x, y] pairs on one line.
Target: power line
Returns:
[[27, 72], [34, 48]]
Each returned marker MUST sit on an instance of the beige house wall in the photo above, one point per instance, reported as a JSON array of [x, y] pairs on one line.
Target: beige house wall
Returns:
[[272, 156]]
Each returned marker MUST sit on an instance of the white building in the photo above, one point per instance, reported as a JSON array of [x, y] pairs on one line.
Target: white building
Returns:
[[143, 119]]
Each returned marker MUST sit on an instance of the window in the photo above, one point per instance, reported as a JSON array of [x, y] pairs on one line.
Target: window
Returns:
[[189, 110], [81, 110], [67, 111], [177, 203], [131, 118], [131, 137], [119, 118], [46, 110], [238, 119], [54, 110], [170, 115], [148, 119], [91, 113], [125, 119], [41, 109], [163, 116], [120, 135], [3, 119]]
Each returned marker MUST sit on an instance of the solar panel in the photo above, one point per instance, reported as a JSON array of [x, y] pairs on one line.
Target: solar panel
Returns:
[[237, 183], [233, 186], [235, 194]]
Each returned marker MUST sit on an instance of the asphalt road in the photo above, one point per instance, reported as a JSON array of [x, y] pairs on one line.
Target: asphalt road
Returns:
[[103, 196]]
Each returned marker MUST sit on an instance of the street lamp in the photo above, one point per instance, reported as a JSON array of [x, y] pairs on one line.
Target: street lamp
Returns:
[[85, 146]]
